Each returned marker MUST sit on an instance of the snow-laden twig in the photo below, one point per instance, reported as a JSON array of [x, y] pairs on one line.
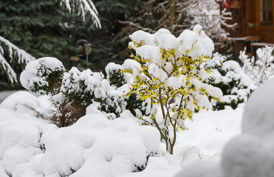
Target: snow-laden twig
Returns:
[[13, 52], [208, 13], [8, 69], [260, 69], [82, 7]]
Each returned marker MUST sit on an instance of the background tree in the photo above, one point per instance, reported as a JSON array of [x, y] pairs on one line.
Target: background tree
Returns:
[[42, 29], [177, 15], [16, 56], [216, 20]]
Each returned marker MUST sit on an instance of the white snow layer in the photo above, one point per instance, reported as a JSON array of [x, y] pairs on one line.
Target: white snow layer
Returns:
[[95, 146], [83, 7], [196, 43], [250, 153]]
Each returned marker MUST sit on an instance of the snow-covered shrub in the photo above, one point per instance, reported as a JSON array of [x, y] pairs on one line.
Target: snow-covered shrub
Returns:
[[122, 80], [261, 68], [169, 74], [81, 89], [73, 91], [114, 74], [231, 79], [43, 76]]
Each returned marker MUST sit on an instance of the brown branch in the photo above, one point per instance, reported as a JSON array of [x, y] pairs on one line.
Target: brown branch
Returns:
[[136, 26]]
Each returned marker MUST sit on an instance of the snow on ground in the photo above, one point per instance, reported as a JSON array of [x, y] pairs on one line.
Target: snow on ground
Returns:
[[97, 147], [249, 154], [5, 94], [207, 134]]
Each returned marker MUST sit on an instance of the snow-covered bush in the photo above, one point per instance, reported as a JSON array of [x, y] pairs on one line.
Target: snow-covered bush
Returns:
[[260, 68], [43, 76], [114, 74], [81, 89], [87, 87], [169, 73], [231, 79], [73, 91], [122, 80]]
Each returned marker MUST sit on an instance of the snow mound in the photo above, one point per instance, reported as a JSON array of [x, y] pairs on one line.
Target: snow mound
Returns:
[[111, 147], [20, 135], [204, 168], [157, 167], [94, 146], [246, 156], [25, 102], [258, 119]]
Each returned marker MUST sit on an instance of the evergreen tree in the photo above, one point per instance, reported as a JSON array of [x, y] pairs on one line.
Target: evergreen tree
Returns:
[[35, 26], [42, 28]]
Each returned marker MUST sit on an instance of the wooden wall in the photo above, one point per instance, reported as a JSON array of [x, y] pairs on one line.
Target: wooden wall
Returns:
[[248, 18]]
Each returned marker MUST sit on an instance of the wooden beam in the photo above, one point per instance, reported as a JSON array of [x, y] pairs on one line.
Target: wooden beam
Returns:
[[258, 14]]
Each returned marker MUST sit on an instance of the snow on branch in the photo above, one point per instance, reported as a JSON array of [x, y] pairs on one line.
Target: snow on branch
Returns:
[[7, 68], [82, 7], [12, 52], [261, 68]]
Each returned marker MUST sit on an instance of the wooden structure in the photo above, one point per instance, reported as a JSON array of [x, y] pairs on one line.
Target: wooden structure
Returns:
[[255, 29], [254, 18]]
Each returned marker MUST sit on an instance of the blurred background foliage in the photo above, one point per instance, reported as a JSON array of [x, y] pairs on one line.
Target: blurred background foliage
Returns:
[[43, 29]]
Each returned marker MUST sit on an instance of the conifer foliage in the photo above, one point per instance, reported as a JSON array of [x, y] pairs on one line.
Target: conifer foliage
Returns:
[[41, 28], [15, 55]]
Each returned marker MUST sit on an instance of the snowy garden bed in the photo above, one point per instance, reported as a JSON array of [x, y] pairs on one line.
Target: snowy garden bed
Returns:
[[96, 146]]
